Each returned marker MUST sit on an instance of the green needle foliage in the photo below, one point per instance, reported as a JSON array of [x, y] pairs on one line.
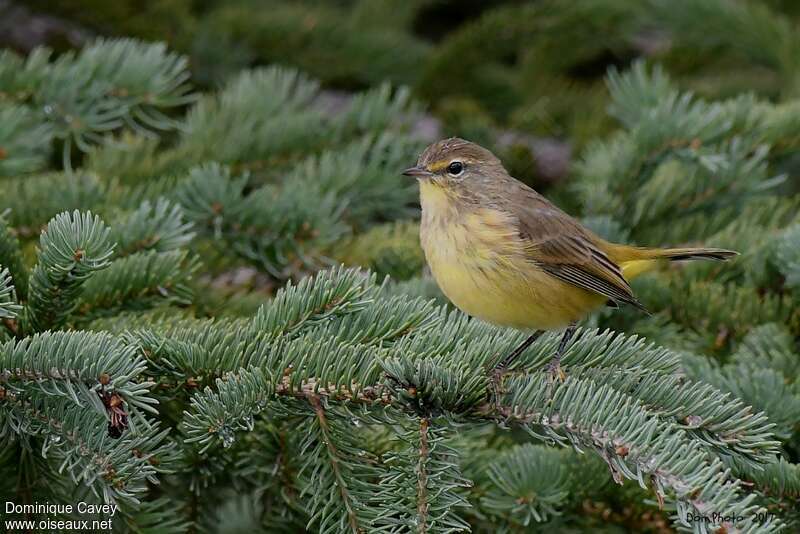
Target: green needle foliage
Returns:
[[332, 399]]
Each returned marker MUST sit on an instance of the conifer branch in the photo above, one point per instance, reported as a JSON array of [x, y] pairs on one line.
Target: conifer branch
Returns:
[[74, 366], [258, 114], [634, 445], [11, 259], [8, 302], [334, 458], [153, 226], [290, 234], [231, 407], [25, 142], [314, 300], [138, 281], [110, 84], [47, 195], [422, 491], [422, 476], [77, 438], [528, 484], [73, 247]]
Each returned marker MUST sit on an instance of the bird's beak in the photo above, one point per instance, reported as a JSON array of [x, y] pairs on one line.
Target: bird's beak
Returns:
[[417, 172]]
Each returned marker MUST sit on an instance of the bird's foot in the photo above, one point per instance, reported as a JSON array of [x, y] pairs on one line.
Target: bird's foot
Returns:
[[496, 382], [496, 378], [554, 373], [554, 370]]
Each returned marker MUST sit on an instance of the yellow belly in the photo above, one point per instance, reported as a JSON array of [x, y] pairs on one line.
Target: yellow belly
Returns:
[[479, 264]]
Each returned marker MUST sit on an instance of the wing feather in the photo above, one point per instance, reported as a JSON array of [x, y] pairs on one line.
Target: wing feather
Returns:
[[563, 248]]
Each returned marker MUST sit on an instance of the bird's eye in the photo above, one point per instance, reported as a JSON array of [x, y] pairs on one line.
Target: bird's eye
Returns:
[[455, 168]]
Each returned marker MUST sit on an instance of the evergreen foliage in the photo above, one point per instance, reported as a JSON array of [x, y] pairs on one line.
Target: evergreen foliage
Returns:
[[536, 66], [347, 402]]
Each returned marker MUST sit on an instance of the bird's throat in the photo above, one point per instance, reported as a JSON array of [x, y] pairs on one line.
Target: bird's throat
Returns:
[[439, 204]]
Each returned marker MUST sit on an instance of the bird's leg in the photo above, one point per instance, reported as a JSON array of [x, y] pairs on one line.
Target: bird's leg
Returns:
[[508, 360], [554, 367], [500, 369]]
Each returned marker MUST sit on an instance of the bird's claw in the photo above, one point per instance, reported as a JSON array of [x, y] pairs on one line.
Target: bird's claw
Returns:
[[554, 370], [496, 381]]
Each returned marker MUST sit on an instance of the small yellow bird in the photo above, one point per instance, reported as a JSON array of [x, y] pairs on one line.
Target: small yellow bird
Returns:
[[502, 252]]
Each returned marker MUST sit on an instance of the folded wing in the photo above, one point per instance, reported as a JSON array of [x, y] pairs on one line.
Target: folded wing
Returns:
[[563, 248]]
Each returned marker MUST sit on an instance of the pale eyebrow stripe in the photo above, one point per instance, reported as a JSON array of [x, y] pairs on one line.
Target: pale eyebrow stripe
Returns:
[[438, 165]]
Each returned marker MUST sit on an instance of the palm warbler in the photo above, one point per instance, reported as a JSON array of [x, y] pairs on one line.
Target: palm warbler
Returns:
[[502, 252]]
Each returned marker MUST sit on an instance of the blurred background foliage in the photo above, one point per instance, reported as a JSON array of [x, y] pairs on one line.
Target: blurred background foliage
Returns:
[[523, 77]]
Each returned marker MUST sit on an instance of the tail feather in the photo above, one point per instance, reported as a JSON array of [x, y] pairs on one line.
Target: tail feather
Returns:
[[637, 260], [679, 254]]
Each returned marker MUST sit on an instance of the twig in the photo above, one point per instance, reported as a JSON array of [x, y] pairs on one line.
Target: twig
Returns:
[[422, 476]]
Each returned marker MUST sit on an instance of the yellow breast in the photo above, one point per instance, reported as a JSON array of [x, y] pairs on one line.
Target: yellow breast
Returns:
[[479, 262]]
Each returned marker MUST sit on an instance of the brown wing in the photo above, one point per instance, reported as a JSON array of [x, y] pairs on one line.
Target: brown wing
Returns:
[[563, 248]]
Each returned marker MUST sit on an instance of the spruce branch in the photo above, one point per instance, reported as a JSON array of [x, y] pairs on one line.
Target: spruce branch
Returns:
[[138, 281], [133, 159], [758, 232], [315, 300], [423, 489], [19, 77], [73, 247], [337, 471], [108, 85], [422, 475], [75, 366], [281, 240], [159, 226], [787, 256], [637, 91], [778, 483], [771, 346], [634, 444], [316, 343], [671, 135], [528, 483], [143, 77], [717, 311], [764, 387], [11, 259], [206, 349], [376, 110], [156, 516], [258, 114], [710, 415], [45, 196], [362, 176], [383, 322], [216, 415], [327, 440], [117, 471], [327, 364], [25, 140], [9, 309], [202, 348]]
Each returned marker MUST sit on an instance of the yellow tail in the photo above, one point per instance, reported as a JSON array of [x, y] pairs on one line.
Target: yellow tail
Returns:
[[636, 260]]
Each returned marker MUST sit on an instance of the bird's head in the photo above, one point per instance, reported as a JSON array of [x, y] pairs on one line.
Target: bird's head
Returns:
[[458, 166]]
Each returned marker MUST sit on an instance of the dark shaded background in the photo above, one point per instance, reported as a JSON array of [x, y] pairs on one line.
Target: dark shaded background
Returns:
[[525, 78]]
